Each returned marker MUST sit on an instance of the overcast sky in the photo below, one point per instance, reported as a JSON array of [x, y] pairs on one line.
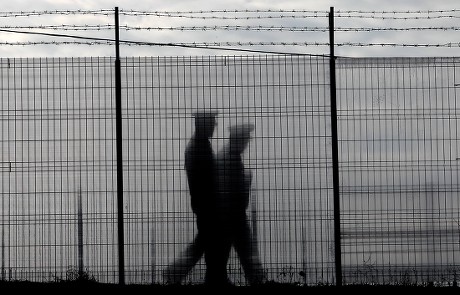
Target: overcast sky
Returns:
[[231, 37]]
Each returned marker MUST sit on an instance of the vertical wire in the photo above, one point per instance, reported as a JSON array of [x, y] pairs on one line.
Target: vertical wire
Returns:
[[85, 164], [16, 194], [57, 160], [14, 160], [102, 169], [299, 184], [39, 193], [296, 147], [402, 125], [257, 65], [165, 229], [24, 176], [416, 193], [174, 115], [144, 171], [387, 214], [136, 137], [3, 141], [9, 162], [113, 184], [91, 190], [92, 268], [64, 172], [441, 185], [286, 137], [425, 215], [325, 201], [452, 157], [310, 203], [164, 138], [27, 256], [258, 155], [381, 142], [127, 200], [47, 212], [455, 185], [151, 183], [372, 186], [447, 155]]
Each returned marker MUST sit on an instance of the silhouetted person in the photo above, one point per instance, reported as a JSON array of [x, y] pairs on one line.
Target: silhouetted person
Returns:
[[233, 200], [200, 167]]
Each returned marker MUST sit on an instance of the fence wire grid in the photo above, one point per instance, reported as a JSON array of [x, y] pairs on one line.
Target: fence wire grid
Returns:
[[398, 157]]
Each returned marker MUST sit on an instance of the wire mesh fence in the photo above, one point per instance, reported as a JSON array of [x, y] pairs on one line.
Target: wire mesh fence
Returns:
[[398, 157], [399, 169], [58, 143], [287, 101], [57, 151]]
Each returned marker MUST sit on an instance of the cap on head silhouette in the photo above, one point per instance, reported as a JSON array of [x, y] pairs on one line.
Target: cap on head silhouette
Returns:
[[205, 114], [241, 131], [205, 121]]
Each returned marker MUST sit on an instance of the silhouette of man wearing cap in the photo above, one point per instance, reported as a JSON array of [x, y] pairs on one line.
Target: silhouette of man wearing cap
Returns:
[[233, 200], [200, 167]]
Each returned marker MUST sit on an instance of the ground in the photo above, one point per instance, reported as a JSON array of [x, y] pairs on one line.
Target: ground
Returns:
[[270, 288]]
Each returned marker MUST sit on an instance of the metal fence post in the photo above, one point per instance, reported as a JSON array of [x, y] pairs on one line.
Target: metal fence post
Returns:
[[335, 154], [119, 144]]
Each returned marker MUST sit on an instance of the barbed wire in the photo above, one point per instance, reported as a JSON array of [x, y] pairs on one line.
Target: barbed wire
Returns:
[[216, 17], [208, 45], [104, 12], [362, 44], [239, 14], [109, 27], [65, 27], [400, 11], [376, 29], [428, 17], [33, 43], [279, 13], [188, 44], [236, 11]]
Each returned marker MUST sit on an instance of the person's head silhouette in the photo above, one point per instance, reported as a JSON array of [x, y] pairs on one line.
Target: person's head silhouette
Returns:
[[205, 122], [240, 135]]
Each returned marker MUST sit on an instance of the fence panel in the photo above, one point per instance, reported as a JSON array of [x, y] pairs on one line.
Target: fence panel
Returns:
[[287, 98], [58, 152], [57, 133], [399, 152]]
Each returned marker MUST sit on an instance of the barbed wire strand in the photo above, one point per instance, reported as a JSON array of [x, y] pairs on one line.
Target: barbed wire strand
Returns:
[[426, 14], [108, 27], [220, 45]]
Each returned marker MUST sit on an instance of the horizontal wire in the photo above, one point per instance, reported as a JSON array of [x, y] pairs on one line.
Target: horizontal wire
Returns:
[[361, 44], [428, 17], [65, 27], [221, 11], [260, 14], [105, 12], [100, 27], [221, 45], [399, 11]]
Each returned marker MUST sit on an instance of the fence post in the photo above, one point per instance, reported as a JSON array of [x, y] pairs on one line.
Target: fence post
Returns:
[[119, 144], [335, 154]]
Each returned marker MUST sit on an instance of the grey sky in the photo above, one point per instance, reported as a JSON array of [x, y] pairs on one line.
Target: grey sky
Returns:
[[219, 36]]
